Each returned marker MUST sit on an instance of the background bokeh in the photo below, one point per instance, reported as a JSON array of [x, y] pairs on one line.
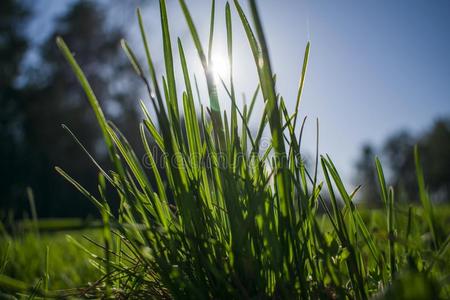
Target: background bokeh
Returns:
[[378, 80]]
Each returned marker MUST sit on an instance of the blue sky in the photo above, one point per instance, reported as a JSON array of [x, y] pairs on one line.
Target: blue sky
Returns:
[[376, 66]]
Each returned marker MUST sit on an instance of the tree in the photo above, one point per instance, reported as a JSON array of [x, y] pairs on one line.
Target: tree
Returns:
[[435, 146], [399, 151], [52, 96], [58, 98], [13, 46]]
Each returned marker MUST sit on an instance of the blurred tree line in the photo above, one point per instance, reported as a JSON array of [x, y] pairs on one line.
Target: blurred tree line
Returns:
[[35, 100], [397, 153]]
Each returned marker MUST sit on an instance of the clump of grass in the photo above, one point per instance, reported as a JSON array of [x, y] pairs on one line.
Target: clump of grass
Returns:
[[230, 219]]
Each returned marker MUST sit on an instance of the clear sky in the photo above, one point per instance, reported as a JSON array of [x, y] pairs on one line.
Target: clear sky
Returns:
[[376, 66]]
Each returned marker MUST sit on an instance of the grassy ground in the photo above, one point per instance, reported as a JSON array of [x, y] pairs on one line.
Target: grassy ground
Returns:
[[23, 254], [24, 257]]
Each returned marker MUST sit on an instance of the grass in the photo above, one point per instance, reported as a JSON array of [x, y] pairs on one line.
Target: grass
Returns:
[[231, 219], [47, 261], [23, 254]]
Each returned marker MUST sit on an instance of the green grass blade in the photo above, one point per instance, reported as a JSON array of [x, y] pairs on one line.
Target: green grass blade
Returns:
[[425, 200], [211, 30], [382, 182], [168, 61], [212, 89], [89, 93]]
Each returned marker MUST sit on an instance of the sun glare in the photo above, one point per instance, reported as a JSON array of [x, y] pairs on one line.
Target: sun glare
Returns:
[[220, 66]]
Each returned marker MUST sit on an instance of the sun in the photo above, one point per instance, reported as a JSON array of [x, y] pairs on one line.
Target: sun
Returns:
[[220, 66]]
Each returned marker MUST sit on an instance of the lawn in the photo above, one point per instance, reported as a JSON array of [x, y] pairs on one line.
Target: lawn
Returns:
[[30, 257]]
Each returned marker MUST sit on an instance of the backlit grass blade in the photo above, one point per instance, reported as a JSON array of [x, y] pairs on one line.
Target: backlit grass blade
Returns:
[[211, 30], [168, 61], [132, 58], [88, 154], [80, 188], [382, 182], [189, 108], [424, 199], [274, 116], [229, 28], [96, 108], [152, 128], [391, 232], [212, 89], [89, 93], [249, 33], [152, 164], [302, 82], [107, 238], [354, 213], [150, 64], [253, 101]]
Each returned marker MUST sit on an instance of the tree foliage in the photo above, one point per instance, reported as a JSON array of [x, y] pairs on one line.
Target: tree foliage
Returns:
[[49, 96], [397, 151]]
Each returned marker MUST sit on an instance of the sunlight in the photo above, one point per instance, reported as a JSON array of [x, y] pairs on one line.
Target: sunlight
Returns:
[[220, 66]]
